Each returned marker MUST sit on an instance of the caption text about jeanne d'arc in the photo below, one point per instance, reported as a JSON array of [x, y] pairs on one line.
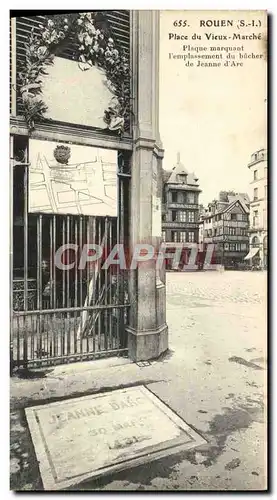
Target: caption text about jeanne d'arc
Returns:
[[216, 42]]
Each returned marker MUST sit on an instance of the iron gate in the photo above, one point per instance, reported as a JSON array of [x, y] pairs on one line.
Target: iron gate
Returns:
[[66, 315]]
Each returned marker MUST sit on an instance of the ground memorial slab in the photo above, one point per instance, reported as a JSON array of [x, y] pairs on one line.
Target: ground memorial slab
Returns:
[[82, 438]]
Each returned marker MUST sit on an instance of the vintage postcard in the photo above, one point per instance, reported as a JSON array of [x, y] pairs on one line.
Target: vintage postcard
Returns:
[[139, 250]]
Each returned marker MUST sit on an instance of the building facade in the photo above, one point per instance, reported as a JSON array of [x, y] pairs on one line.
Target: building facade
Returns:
[[180, 209], [225, 224], [258, 209], [80, 171]]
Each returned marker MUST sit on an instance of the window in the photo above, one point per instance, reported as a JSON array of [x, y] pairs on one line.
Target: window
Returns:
[[255, 242], [182, 178], [232, 231], [191, 237], [255, 175], [226, 246], [233, 216], [182, 216], [174, 236], [255, 194], [163, 235], [232, 247], [215, 231], [256, 218], [163, 217], [191, 217], [182, 236], [244, 217], [174, 196], [190, 198], [243, 246], [173, 215]]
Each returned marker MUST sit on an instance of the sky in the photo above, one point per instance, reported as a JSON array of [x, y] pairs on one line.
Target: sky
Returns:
[[215, 117]]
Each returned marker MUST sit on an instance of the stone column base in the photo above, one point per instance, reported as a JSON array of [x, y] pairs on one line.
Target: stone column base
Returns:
[[146, 345]]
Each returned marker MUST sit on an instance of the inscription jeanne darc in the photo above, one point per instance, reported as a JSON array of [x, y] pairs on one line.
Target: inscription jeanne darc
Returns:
[[96, 410]]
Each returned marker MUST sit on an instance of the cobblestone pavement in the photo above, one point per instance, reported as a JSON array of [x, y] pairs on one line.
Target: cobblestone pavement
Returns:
[[214, 377], [220, 287]]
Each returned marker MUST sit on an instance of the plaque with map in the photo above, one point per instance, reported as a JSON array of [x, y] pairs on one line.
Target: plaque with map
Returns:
[[83, 183]]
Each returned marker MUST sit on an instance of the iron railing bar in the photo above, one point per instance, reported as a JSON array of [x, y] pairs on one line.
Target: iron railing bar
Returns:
[[11, 181], [76, 290], [80, 276], [51, 283], [53, 258], [80, 355], [45, 337], [88, 219], [18, 338], [81, 248], [32, 337], [110, 290], [71, 309], [63, 290], [51, 263], [99, 318], [39, 285], [106, 290], [94, 270], [25, 240], [67, 288], [120, 174], [63, 271], [54, 285]]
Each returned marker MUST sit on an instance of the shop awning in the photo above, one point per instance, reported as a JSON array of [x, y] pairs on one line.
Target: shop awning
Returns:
[[251, 254]]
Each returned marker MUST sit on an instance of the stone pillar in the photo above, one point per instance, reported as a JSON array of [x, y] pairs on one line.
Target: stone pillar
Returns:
[[147, 329]]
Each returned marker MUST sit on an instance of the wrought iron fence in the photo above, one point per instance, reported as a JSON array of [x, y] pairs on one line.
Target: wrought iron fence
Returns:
[[65, 315]]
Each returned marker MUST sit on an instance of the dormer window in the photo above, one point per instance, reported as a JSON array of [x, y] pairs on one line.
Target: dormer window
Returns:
[[182, 178]]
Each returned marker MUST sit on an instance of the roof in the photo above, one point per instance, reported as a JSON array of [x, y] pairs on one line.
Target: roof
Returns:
[[237, 200], [229, 206], [179, 169], [239, 196]]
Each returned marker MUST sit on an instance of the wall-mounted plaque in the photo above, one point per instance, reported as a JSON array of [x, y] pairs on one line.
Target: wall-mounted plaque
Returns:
[[76, 96]]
